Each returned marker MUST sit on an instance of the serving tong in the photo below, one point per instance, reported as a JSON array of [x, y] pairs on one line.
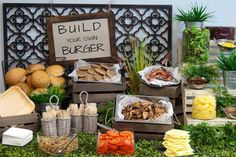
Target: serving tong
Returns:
[[60, 152]]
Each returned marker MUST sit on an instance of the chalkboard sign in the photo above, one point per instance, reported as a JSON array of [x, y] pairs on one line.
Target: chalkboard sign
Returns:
[[87, 36]]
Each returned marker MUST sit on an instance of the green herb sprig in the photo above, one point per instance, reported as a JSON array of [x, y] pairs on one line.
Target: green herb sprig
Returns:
[[195, 45], [223, 99], [227, 63], [210, 72], [44, 97]]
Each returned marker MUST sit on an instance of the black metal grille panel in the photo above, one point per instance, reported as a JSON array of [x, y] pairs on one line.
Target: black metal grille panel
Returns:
[[25, 39]]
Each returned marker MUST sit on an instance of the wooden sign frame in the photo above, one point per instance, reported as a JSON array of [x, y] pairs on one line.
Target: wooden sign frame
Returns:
[[113, 58]]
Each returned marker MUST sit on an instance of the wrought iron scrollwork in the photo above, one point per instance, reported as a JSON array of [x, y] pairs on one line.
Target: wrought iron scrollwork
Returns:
[[25, 28]]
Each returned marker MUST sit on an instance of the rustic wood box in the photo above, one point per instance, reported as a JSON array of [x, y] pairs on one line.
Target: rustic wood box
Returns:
[[98, 92], [188, 96], [172, 92], [147, 131], [29, 121]]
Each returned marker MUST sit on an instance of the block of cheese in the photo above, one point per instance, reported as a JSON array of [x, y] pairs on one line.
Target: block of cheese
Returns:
[[176, 143], [15, 102]]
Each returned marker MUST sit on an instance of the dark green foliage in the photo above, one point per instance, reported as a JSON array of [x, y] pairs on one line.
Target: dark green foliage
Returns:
[[222, 138], [227, 63], [195, 14], [44, 97], [105, 113], [217, 141], [210, 72], [223, 99], [196, 45], [139, 59]]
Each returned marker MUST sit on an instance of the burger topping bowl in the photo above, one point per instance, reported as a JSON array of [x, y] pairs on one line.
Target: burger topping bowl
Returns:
[[230, 112]]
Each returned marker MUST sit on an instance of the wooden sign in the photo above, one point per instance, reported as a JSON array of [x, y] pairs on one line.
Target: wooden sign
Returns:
[[87, 36]]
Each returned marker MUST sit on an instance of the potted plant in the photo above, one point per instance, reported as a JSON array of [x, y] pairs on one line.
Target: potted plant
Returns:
[[195, 16], [42, 96], [138, 61], [195, 37], [198, 76], [228, 65]]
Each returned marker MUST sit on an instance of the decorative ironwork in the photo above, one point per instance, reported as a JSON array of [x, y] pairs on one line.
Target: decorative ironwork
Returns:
[[25, 28]]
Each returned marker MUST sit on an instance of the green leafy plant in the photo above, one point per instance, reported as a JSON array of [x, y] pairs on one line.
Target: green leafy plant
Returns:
[[223, 99], [227, 63], [209, 72], [43, 97], [105, 113], [197, 13], [139, 60], [214, 137], [196, 45]]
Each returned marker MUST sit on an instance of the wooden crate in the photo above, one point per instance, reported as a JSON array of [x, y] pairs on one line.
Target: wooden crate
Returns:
[[145, 131], [217, 121], [188, 96], [29, 121], [98, 92], [172, 92]]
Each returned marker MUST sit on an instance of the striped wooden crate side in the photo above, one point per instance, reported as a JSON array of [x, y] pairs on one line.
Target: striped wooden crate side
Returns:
[[217, 121], [189, 94]]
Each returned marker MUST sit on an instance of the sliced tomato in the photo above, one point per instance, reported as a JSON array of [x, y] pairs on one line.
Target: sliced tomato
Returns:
[[112, 147], [126, 133], [127, 142], [103, 137], [102, 143], [115, 141], [120, 152], [113, 133], [127, 150]]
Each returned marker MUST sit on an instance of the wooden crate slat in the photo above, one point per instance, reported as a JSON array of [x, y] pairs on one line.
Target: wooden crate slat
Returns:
[[171, 92], [233, 92], [143, 127], [97, 87], [33, 127], [18, 120], [217, 121], [188, 109], [188, 101], [194, 92], [96, 98]]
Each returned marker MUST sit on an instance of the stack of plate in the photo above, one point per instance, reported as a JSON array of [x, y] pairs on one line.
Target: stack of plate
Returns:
[[176, 143]]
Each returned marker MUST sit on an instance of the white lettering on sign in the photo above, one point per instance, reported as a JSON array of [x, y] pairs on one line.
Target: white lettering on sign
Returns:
[[82, 39]]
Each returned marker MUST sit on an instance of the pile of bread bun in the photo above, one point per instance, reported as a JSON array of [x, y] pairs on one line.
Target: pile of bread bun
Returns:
[[36, 77]]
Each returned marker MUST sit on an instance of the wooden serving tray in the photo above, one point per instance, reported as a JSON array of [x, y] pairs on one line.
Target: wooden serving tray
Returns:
[[15, 102]]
